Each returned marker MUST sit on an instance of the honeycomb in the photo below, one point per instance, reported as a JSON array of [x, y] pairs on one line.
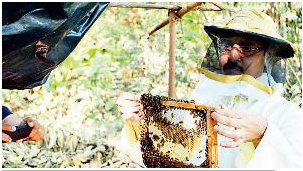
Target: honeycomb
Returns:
[[173, 134]]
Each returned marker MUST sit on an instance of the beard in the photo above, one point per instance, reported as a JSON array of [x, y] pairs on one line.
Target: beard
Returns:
[[232, 68]]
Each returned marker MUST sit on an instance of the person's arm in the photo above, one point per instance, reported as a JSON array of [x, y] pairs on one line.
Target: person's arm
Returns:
[[11, 120], [129, 106], [281, 145], [5, 112], [248, 127], [279, 136]]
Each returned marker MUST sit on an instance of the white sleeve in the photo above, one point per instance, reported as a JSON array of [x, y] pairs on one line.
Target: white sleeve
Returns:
[[281, 145]]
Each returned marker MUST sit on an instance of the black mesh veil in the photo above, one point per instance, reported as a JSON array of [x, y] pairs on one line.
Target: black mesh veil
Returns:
[[274, 66]]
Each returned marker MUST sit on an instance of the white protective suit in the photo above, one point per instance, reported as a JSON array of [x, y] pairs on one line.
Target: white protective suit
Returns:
[[281, 145]]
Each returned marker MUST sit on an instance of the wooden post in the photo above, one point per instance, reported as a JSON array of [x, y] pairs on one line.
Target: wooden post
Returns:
[[172, 58], [212, 140]]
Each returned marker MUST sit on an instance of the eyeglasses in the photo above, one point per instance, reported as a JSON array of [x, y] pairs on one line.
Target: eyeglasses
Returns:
[[245, 48]]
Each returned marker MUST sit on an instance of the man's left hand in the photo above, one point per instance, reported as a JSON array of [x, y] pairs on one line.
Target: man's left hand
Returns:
[[248, 127]]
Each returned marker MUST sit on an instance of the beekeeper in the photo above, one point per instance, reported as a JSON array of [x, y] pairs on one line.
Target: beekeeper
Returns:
[[242, 75]]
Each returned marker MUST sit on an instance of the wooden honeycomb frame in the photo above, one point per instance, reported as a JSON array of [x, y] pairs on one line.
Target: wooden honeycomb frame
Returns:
[[151, 156]]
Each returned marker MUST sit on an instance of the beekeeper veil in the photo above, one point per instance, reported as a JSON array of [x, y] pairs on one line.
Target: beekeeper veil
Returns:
[[259, 26]]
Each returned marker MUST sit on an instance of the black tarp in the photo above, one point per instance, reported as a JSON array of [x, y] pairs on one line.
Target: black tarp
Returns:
[[37, 37]]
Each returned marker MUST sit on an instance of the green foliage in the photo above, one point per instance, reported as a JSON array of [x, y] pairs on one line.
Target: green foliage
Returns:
[[76, 106]]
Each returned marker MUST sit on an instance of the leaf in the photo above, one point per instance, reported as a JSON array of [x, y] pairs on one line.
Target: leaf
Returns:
[[92, 52], [110, 104]]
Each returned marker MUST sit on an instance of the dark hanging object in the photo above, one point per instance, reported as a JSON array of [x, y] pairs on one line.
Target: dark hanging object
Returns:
[[37, 37]]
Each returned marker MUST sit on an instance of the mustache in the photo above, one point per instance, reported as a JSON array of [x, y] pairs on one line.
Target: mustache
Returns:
[[232, 65]]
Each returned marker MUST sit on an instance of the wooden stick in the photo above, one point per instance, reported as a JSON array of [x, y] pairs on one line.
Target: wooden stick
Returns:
[[212, 141], [200, 8], [194, 5], [224, 7], [184, 105], [148, 6], [172, 58], [180, 13]]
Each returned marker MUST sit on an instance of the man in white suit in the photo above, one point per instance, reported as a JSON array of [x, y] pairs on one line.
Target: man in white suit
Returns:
[[243, 79]]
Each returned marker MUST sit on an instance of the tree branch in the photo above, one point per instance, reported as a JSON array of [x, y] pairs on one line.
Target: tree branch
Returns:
[[224, 7], [148, 6], [180, 13], [200, 8]]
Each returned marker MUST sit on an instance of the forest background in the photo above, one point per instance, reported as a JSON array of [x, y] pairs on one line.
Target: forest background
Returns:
[[76, 106]]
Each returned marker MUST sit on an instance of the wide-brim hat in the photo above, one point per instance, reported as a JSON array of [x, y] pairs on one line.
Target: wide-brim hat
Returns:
[[256, 24]]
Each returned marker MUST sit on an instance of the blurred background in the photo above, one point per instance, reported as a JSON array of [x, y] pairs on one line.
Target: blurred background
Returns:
[[77, 106]]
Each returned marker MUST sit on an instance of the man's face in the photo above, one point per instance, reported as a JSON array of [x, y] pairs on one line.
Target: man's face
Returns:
[[242, 55]]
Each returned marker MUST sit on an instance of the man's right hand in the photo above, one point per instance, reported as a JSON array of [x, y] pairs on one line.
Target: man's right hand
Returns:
[[129, 106], [6, 138]]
